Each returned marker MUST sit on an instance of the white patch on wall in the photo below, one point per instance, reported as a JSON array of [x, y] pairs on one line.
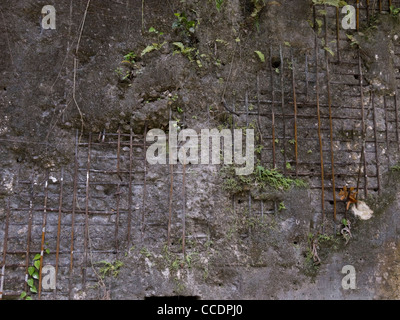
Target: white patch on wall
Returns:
[[3, 125], [362, 210], [8, 182]]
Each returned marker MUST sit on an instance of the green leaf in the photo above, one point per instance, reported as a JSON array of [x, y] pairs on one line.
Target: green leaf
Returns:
[[37, 264], [179, 45], [260, 55], [35, 275], [30, 282], [33, 289], [148, 49], [47, 251], [28, 298], [152, 29], [37, 257], [31, 270], [329, 50], [23, 294]]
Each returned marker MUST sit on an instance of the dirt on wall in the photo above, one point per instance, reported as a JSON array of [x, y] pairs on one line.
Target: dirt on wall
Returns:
[[77, 101]]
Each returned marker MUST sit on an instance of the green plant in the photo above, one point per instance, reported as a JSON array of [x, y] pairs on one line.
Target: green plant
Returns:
[[258, 6], [335, 3], [152, 47], [353, 41], [259, 149], [33, 274], [329, 50], [394, 11], [124, 74], [109, 268], [218, 4], [281, 206], [260, 55], [395, 168], [191, 53], [145, 252], [130, 57], [187, 26]]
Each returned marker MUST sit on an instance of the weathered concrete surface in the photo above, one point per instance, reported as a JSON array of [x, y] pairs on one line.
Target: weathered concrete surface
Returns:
[[46, 79]]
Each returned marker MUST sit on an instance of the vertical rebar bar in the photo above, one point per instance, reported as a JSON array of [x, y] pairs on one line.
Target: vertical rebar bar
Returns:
[[184, 203], [118, 195], [330, 119], [337, 35], [46, 184], [376, 145], [119, 153], [130, 188], [386, 130], [59, 225], [319, 120], [3, 263], [86, 235], [306, 73], [283, 108], [171, 190], [363, 129], [295, 116], [272, 110], [397, 121], [29, 233], [74, 197], [145, 182]]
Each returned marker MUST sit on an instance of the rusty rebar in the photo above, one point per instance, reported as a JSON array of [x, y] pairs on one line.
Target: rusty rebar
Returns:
[[337, 35], [376, 144], [272, 110], [330, 120], [3, 264], [59, 224], [306, 74], [386, 129], [130, 188], [184, 203], [119, 153], [74, 199], [46, 184], [118, 195], [363, 129], [145, 182], [171, 190], [283, 108], [319, 128], [86, 235], [29, 233], [295, 115], [397, 121]]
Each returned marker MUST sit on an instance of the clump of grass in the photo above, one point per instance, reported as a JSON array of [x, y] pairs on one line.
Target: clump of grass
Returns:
[[395, 168], [261, 178]]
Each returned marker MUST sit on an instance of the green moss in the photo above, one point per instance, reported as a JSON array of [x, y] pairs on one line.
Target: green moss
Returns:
[[262, 178]]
